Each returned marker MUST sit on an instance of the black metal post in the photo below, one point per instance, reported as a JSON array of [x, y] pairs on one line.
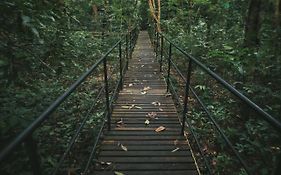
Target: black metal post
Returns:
[[31, 149], [130, 45], [157, 43], [169, 66], [106, 94], [121, 65], [161, 53], [127, 53], [185, 107], [155, 31]]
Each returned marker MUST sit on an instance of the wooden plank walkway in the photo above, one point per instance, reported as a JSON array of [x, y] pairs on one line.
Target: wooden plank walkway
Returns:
[[133, 147]]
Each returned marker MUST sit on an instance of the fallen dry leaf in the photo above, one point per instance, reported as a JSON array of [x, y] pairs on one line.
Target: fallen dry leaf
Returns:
[[160, 128], [168, 95], [118, 173], [120, 121], [146, 88], [160, 109], [119, 126], [124, 147], [131, 84], [105, 163], [176, 149], [143, 92], [152, 115], [176, 142], [134, 106], [126, 107], [156, 103], [146, 122]]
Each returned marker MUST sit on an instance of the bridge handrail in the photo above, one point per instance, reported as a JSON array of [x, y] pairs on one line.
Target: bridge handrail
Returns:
[[23, 136], [159, 37], [270, 119]]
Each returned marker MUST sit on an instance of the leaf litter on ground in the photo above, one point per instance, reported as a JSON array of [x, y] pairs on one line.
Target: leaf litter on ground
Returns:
[[120, 121], [146, 122], [122, 146], [160, 129], [156, 103], [152, 115], [118, 173], [174, 150], [131, 107], [144, 90]]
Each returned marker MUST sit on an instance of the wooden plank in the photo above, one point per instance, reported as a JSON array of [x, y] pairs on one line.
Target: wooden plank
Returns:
[[113, 147], [180, 153], [148, 159], [148, 152], [152, 126], [127, 128], [172, 172], [159, 136], [141, 133], [146, 166], [146, 142]]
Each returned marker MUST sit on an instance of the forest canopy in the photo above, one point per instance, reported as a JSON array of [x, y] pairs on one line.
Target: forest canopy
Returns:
[[46, 45]]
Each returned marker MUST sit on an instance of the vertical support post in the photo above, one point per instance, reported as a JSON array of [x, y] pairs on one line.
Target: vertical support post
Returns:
[[185, 109], [169, 67], [277, 168], [155, 31], [157, 43], [130, 44], [120, 65], [127, 53], [32, 152], [106, 94], [161, 52]]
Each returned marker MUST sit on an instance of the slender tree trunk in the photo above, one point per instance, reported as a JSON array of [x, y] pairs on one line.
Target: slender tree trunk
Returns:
[[155, 14], [252, 26], [277, 22]]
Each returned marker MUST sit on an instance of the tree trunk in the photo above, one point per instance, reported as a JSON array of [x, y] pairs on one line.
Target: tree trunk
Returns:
[[252, 26], [277, 19]]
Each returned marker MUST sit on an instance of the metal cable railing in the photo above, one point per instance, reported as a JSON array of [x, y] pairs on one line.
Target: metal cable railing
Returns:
[[26, 136], [158, 41]]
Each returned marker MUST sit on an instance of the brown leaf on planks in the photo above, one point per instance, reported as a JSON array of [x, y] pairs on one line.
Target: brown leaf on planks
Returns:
[[143, 92], [124, 147], [174, 150], [168, 95], [160, 129], [120, 122], [135, 106], [146, 88], [152, 115], [156, 103], [146, 122], [118, 173]]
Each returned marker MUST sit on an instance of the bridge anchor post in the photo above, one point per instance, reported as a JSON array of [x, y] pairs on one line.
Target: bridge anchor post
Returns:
[[185, 109]]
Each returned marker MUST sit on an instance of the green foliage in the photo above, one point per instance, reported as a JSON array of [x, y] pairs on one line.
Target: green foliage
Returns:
[[44, 48], [213, 32]]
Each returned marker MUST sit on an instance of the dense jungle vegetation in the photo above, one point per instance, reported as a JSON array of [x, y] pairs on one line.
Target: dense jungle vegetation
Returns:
[[46, 45]]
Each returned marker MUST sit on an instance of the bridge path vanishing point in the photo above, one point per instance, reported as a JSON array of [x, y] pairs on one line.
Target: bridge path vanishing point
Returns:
[[134, 145]]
